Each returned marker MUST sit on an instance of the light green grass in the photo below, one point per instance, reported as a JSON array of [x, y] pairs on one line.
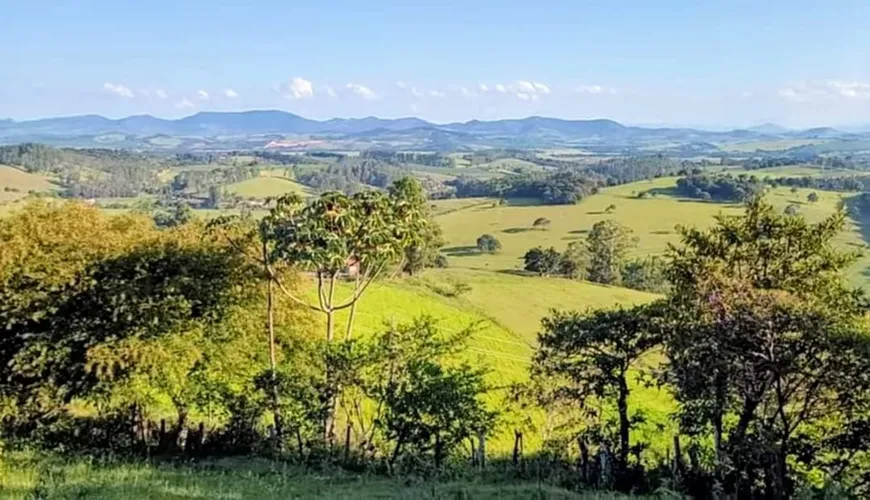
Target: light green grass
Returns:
[[25, 476], [772, 145], [653, 221], [265, 186], [23, 182]]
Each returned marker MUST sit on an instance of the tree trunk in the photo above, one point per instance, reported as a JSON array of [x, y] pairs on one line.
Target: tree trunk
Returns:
[[624, 424], [273, 375]]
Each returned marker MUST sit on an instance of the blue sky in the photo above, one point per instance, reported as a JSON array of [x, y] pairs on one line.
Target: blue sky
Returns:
[[713, 63]]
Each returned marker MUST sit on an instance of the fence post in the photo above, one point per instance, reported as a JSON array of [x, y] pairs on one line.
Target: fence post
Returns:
[[678, 456], [481, 449], [584, 459], [347, 442]]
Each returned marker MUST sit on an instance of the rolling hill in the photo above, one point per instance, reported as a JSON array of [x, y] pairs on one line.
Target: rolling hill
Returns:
[[216, 130]]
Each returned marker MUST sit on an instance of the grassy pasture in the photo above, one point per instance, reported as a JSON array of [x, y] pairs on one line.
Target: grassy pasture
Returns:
[[21, 182], [771, 145], [653, 221], [267, 185]]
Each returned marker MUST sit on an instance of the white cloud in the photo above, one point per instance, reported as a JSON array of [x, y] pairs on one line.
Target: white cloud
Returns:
[[118, 89], [416, 92], [540, 87], [161, 93], [362, 91], [401, 84], [523, 96], [203, 95], [467, 93], [184, 104], [529, 87], [500, 88], [850, 89], [437, 94], [230, 94], [330, 91], [829, 90], [299, 88], [483, 87], [595, 90]]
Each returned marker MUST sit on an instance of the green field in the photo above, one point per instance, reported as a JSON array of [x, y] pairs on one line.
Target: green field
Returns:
[[267, 185], [653, 221], [20, 183], [772, 145]]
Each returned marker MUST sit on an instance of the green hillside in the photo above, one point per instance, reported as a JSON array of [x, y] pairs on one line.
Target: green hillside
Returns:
[[15, 183], [652, 219], [267, 185]]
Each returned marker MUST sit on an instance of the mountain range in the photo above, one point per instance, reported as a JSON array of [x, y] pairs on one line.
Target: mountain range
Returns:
[[259, 128]]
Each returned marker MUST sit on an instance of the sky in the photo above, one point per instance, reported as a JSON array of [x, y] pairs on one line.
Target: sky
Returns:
[[667, 62]]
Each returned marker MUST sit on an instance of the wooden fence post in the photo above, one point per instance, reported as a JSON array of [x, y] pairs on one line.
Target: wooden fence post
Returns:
[[481, 449], [678, 457], [347, 431]]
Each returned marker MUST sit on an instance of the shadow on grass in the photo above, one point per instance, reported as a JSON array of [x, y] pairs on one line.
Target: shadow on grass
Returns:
[[516, 272], [599, 212], [663, 233], [579, 231], [461, 251], [516, 230]]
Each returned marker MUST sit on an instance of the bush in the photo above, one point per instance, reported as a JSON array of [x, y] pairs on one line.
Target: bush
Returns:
[[487, 243]]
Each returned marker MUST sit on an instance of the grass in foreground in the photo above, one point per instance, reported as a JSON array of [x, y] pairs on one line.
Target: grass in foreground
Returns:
[[25, 476]]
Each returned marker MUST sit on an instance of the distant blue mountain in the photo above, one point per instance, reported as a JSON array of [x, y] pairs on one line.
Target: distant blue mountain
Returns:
[[533, 131]]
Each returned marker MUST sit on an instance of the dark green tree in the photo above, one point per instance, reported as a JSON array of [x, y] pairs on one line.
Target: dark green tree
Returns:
[[544, 262], [487, 243], [594, 353], [608, 243]]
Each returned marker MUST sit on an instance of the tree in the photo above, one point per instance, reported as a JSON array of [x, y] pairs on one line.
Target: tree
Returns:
[[367, 232], [426, 404], [813, 197], [595, 353], [610, 209], [214, 197], [608, 243], [645, 274], [424, 251], [545, 262], [541, 223], [792, 209], [574, 260], [793, 190], [766, 341], [487, 243], [76, 283]]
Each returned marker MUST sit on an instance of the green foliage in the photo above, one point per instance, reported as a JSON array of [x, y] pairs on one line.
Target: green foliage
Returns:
[[85, 294], [593, 355], [767, 345], [720, 187], [645, 274], [544, 262], [429, 405], [812, 197], [487, 243], [792, 209], [608, 243], [541, 223]]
